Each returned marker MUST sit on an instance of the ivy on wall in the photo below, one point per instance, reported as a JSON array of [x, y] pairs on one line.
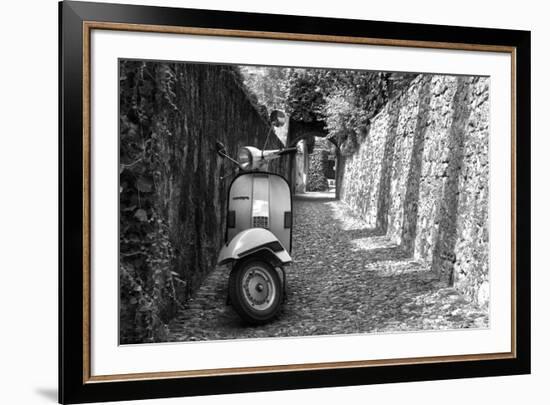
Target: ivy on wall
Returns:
[[316, 177], [148, 285]]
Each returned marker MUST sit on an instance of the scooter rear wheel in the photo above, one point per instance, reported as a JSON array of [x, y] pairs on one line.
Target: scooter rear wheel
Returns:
[[255, 291]]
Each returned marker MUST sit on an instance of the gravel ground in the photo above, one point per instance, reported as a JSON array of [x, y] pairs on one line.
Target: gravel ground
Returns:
[[345, 279]]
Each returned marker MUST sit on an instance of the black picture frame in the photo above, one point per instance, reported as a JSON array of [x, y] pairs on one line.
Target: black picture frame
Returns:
[[75, 387]]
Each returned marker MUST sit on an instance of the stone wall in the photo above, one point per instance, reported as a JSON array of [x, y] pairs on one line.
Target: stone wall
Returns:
[[171, 116], [364, 170], [421, 177], [214, 107], [471, 269]]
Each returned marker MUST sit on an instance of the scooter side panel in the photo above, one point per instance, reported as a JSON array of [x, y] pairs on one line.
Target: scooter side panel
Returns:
[[240, 201], [279, 203], [260, 200]]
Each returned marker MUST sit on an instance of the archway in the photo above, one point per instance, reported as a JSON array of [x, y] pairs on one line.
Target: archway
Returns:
[[311, 139]]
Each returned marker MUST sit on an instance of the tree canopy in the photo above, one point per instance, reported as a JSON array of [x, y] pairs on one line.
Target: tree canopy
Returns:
[[344, 100]]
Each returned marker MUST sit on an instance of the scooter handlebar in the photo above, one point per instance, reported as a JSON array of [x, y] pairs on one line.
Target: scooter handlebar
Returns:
[[287, 151]]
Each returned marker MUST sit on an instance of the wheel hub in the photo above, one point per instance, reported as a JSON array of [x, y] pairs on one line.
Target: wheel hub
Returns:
[[258, 288]]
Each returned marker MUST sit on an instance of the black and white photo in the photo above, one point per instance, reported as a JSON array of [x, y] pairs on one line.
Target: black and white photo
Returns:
[[270, 202]]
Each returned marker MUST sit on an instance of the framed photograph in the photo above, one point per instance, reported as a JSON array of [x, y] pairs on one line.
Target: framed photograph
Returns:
[[254, 202]]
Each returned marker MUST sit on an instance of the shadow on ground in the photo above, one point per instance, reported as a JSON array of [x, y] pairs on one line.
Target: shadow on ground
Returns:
[[345, 278]]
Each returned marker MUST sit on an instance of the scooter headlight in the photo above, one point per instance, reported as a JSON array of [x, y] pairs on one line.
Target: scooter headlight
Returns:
[[245, 159]]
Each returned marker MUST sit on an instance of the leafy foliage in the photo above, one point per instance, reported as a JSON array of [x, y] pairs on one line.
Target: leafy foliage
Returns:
[[316, 178], [147, 283], [307, 91], [269, 86], [344, 100]]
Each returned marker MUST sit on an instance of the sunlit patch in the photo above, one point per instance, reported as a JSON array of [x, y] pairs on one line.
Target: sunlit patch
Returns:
[[373, 242]]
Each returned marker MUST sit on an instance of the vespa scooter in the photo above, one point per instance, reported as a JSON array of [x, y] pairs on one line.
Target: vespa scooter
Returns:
[[258, 234]]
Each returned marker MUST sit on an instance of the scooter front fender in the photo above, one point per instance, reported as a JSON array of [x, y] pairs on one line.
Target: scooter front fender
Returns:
[[254, 241]]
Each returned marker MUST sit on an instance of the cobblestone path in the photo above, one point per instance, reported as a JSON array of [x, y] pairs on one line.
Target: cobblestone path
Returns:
[[345, 279]]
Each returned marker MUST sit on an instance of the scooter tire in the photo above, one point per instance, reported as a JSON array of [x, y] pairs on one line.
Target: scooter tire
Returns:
[[241, 278]]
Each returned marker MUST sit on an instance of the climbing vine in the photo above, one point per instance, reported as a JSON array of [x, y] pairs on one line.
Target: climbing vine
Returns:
[[147, 282], [316, 177]]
